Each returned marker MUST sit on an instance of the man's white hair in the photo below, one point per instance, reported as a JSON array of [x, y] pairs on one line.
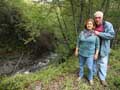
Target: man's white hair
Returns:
[[98, 14]]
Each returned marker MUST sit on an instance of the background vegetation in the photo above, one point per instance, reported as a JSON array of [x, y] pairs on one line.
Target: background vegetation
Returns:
[[35, 28], [52, 26], [64, 77]]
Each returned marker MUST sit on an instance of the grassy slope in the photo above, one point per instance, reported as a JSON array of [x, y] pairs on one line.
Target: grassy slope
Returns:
[[64, 77]]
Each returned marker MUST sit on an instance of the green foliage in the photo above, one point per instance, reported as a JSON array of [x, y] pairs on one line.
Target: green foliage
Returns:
[[21, 23], [19, 81], [65, 74], [37, 19], [11, 34], [117, 82]]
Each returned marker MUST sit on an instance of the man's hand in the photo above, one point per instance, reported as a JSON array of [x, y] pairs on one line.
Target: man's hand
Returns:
[[96, 32]]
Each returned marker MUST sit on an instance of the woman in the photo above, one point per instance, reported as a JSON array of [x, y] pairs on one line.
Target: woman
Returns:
[[87, 49]]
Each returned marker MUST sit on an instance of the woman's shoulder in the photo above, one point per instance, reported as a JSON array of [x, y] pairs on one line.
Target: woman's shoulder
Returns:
[[83, 31]]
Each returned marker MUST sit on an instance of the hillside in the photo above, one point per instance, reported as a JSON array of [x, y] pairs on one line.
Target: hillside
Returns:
[[63, 77]]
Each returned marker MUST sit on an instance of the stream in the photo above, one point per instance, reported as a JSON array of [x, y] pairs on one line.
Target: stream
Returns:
[[24, 64]]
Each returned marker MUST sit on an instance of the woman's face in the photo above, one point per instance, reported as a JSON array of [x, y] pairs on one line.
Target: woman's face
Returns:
[[89, 25]]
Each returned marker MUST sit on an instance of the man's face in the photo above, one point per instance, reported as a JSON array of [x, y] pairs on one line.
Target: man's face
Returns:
[[98, 20]]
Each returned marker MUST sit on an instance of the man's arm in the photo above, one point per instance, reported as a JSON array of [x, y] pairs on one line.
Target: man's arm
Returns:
[[109, 34]]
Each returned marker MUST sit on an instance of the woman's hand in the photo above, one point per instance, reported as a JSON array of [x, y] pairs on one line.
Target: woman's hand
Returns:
[[76, 52], [95, 56]]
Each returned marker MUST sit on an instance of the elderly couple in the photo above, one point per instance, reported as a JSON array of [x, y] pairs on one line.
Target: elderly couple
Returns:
[[93, 47]]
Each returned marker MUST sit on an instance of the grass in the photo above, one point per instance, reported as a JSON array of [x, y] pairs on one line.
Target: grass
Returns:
[[63, 77]]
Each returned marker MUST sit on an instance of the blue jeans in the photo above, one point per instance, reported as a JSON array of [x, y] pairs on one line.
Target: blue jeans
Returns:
[[100, 66], [89, 62]]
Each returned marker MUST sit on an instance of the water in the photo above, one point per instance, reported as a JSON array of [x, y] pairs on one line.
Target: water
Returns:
[[24, 64]]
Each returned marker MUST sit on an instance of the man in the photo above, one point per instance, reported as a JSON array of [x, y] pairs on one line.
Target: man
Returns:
[[104, 30]]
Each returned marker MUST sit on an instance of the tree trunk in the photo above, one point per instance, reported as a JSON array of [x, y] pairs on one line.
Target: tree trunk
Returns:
[[80, 22], [73, 15], [90, 8]]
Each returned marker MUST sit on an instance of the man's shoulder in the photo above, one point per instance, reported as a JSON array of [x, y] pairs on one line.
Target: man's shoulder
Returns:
[[107, 23]]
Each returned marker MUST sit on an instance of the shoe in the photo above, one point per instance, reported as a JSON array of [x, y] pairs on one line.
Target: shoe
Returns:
[[79, 78], [91, 82], [104, 83]]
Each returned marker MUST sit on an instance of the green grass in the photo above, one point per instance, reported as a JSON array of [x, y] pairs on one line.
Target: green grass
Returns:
[[64, 77]]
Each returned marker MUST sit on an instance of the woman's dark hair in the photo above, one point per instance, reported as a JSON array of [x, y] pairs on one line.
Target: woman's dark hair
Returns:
[[91, 20]]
